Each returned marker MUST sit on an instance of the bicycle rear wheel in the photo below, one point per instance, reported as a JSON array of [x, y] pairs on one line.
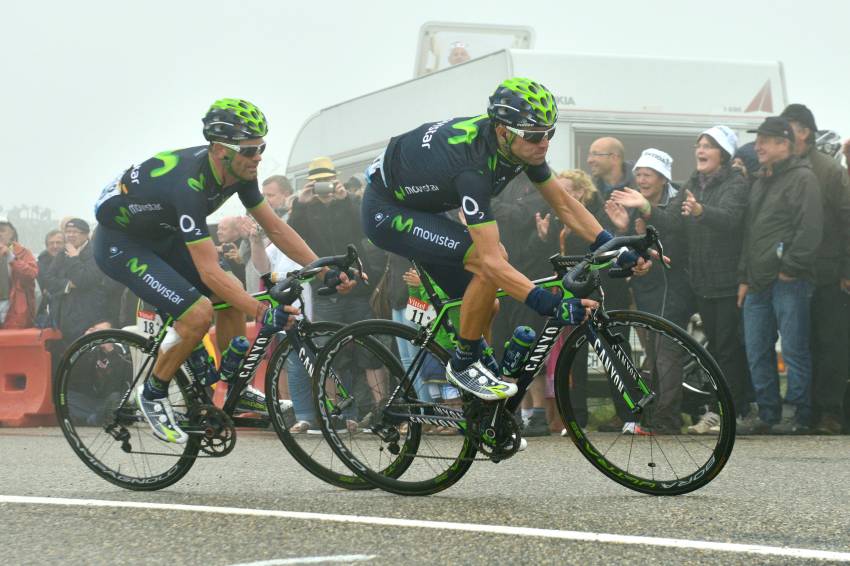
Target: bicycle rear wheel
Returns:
[[378, 421], [308, 447], [106, 430], [652, 451]]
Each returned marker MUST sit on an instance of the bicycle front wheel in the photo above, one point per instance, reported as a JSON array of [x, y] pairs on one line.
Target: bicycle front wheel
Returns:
[[681, 437], [96, 410], [289, 392], [393, 422]]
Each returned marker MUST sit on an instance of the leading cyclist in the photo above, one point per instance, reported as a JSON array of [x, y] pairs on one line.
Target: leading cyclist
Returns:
[[153, 238], [464, 162]]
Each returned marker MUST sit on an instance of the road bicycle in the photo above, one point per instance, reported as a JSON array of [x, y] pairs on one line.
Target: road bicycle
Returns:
[[653, 368], [98, 375]]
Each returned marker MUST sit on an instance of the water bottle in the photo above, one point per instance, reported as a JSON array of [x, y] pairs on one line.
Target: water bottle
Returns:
[[232, 357], [202, 367], [516, 350]]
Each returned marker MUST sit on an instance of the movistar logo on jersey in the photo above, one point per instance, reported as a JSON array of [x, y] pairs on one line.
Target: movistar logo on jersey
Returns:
[[402, 225], [123, 219], [401, 192], [429, 133], [435, 238], [169, 162], [469, 129], [133, 264], [197, 184]]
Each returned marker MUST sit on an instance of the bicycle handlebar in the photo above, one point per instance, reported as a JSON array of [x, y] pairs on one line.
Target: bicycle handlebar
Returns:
[[288, 289], [575, 282]]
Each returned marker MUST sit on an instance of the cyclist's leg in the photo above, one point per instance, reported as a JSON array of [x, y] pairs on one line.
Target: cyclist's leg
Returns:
[[135, 264], [442, 246]]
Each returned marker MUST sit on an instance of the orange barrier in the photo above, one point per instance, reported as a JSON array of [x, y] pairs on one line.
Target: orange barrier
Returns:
[[26, 384]]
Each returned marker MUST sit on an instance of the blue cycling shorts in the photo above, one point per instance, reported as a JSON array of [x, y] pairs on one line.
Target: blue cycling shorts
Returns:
[[431, 238], [160, 272]]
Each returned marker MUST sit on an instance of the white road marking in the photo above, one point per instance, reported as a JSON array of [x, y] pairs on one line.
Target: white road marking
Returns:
[[468, 527], [311, 560]]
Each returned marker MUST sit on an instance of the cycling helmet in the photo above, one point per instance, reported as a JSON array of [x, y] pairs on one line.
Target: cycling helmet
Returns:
[[233, 120], [523, 103]]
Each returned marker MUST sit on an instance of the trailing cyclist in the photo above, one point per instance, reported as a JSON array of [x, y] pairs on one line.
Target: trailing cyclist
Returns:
[[465, 162], [153, 238]]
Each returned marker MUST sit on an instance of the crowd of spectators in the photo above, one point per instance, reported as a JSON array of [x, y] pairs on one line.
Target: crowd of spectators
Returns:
[[758, 236]]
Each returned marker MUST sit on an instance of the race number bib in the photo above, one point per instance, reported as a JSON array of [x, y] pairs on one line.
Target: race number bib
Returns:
[[148, 322], [419, 312]]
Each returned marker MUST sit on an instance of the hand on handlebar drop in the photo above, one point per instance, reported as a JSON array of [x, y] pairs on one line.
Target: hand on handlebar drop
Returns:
[[339, 280]]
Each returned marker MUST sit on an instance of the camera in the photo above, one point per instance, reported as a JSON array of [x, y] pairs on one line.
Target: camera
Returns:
[[324, 188]]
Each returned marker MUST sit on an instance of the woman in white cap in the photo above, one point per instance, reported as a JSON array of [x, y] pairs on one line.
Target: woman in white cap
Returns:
[[711, 208], [662, 292]]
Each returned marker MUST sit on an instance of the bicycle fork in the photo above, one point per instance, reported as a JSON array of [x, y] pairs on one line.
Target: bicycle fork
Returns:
[[607, 346]]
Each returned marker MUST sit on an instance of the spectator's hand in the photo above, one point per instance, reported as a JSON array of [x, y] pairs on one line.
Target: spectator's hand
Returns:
[[786, 278], [231, 252], [254, 233], [542, 225], [618, 215], [691, 207], [845, 285], [640, 226], [71, 251], [307, 194], [340, 192], [742, 292], [629, 198], [411, 277]]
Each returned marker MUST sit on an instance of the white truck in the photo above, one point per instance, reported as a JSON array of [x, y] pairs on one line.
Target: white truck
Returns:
[[643, 101]]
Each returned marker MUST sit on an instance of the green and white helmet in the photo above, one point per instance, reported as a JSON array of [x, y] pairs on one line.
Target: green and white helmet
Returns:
[[523, 103], [234, 120]]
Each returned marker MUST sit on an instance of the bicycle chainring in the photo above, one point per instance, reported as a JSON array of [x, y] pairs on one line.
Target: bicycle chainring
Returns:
[[218, 433]]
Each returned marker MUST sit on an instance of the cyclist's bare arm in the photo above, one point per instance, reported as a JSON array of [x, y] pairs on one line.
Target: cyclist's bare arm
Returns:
[[570, 211], [487, 259], [223, 284], [282, 235]]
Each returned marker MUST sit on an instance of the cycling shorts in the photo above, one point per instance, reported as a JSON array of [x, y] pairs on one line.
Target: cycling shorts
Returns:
[[438, 243], [160, 272]]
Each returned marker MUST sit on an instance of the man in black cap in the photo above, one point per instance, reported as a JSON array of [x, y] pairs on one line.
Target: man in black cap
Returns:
[[831, 302], [79, 286], [776, 278]]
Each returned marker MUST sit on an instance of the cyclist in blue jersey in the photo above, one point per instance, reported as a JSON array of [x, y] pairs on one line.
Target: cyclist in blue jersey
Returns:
[[153, 238], [465, 162]]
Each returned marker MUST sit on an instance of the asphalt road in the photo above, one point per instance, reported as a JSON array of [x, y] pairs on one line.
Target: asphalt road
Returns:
[[791, 493]]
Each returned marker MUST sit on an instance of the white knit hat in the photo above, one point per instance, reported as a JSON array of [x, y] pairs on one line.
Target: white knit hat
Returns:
[[656, 160], [724, 137]]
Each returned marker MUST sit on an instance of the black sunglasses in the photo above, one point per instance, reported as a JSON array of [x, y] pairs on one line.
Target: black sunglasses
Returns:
[[245, 150]]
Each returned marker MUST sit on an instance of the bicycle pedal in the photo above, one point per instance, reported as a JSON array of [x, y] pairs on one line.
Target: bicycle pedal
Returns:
[[643, 402]]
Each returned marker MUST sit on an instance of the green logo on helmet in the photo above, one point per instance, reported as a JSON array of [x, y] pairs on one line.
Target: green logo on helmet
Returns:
[[402, 225], [245, 111], [544, 109]]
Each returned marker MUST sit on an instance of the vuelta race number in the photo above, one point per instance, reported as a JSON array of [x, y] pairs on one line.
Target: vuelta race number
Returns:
[[419, 312], [148, 322]]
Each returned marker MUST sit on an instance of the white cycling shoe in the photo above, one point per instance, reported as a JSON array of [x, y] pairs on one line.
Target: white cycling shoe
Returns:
[[481, 382]]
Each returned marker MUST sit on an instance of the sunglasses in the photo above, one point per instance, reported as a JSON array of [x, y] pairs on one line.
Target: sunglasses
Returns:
[[245, 150], [533, 136]]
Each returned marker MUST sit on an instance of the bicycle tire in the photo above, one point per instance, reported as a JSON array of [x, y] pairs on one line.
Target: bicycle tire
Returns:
[[311, 451], [70, 393], [397, 476], [601, 448]]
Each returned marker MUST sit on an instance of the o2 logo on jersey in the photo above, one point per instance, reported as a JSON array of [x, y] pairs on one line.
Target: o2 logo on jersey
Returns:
[[187, 224], [470, 207]]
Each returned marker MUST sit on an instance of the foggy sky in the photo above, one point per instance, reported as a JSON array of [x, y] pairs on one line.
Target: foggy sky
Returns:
[[92, 87]]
